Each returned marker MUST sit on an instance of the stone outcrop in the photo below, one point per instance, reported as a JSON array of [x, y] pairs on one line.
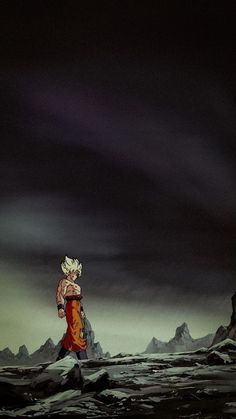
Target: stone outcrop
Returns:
[[23, 353], [218, 358], [182, 341], [224, 346], [96, 382], [224, 332], [59, 376]]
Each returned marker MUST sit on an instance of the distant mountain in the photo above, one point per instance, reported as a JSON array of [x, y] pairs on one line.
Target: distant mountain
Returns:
[[45, 352], [227, 332], [6, 357], [49, 351], [22, 354], [182, 341]]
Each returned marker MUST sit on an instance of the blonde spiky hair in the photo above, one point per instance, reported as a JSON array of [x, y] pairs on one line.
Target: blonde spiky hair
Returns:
[[71, 265]]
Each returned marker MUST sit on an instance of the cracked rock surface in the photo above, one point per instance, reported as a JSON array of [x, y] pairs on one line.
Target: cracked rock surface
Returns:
[[164, 385]]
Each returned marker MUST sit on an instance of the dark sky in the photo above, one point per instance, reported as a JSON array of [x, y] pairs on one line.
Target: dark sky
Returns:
[[118, 148]]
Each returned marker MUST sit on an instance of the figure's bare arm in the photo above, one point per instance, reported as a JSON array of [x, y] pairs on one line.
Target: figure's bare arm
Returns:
[[60, 300], [61, 291]]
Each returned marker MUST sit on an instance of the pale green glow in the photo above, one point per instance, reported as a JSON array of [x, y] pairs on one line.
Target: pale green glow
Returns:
[[29, 315]]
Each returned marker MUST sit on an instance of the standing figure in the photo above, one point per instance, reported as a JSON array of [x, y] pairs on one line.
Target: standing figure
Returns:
[[70, 292]]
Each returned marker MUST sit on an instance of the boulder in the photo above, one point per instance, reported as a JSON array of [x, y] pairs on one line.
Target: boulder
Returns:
[[61, 375], [218, 358], [96, 382], [224, 346], [113, 396]]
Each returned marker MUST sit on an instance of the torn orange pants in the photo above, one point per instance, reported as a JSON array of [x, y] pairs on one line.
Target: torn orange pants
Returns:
[[74, 339]]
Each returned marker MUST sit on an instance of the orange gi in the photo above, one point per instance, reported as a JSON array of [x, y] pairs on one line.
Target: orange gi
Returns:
[[74, 339]]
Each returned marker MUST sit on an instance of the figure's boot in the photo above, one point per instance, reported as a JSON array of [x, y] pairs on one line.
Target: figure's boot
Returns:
[[62, 353], [82, 355]]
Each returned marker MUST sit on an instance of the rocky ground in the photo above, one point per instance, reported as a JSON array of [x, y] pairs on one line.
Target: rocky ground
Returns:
[[200, 384]]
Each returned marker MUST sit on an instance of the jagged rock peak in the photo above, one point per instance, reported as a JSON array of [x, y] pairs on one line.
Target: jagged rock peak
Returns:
[[23, 351], [224, 332], [7, 351], [49, 343], [182, 331]]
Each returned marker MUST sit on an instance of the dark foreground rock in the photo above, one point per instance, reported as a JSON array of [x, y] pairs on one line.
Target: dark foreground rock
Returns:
[[168, 386], [218, 358], [95, 382], [61, 375]]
